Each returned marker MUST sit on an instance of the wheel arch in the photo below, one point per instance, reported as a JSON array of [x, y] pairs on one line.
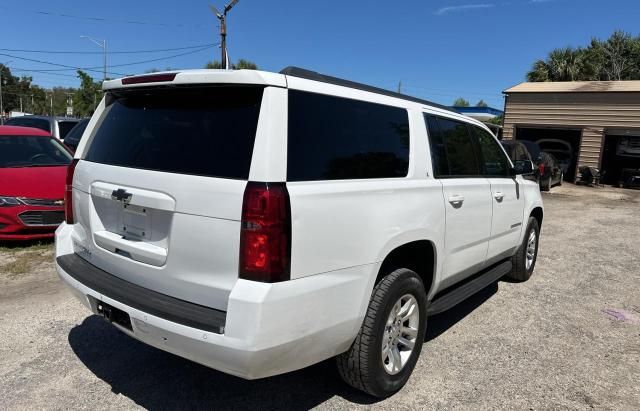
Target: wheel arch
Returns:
[[417, 255], [538, 214]]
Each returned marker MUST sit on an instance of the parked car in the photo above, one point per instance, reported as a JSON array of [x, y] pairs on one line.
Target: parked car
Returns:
[[73, 138], [33, 167], [58, 127], [517, 151], [560, 149], [298, 217], [628, 146], [550, 171]]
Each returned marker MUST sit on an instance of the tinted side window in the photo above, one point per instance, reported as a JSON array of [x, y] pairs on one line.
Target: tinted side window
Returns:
[[494, 162], [438, 149], [461, 153], [333, 138]]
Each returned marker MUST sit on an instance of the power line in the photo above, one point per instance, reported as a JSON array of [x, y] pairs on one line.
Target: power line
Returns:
[[44, 73], [102, 19], [94, 69], [110, 52]]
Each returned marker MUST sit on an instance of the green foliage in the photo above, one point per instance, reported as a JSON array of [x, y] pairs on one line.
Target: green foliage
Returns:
[[497, 120], [87, 96], [481, 103], [617, 58], [460, 102], [240, 65]]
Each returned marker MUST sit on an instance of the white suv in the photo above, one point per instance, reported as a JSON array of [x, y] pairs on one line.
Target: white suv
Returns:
[[258, 223]]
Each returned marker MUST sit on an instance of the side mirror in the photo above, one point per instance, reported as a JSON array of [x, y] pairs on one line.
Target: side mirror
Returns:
[[523, 167]]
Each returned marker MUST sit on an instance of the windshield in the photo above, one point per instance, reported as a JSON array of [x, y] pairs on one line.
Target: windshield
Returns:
[[28, 121], [32, 151], [207, 131]]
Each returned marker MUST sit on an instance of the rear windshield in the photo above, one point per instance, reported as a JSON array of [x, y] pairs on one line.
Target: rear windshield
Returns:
[[32, 151], [26, 121], [65, 126], [206, 131]]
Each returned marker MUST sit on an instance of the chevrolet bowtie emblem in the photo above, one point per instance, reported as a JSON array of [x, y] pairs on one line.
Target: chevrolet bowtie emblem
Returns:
[[121, 195]]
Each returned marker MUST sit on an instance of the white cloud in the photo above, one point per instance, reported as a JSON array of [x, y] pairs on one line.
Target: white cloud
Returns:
[[463, 7]]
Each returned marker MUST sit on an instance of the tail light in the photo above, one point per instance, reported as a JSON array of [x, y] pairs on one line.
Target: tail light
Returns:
[[68, 192], [265, 234], [541, 169]]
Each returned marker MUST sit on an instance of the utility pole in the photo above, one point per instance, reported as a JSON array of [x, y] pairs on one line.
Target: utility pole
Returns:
[[103, 45], [51, 104], [223, 31], [400, 87], [22, 111]]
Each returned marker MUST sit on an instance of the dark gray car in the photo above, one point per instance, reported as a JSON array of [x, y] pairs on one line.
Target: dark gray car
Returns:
[[59, 127]]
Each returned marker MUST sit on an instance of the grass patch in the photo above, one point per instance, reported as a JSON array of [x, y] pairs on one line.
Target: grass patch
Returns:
[[22, 260]]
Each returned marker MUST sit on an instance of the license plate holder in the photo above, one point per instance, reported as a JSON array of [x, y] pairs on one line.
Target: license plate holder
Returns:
[[114, 315]]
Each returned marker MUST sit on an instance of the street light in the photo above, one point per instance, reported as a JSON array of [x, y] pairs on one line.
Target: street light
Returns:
[[1, 104], [223, 30], [102, 44]]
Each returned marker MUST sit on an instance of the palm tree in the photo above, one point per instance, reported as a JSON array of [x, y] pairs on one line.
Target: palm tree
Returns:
[[539, 72]]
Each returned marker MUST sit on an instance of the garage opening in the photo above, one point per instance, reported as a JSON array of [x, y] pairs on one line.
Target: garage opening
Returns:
[[621, 159], [564, 144]]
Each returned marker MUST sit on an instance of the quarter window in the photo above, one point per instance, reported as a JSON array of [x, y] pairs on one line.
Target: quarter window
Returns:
[[333, 138]]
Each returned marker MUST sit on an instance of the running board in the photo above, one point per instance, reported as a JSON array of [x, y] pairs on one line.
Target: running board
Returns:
[[467, 289]]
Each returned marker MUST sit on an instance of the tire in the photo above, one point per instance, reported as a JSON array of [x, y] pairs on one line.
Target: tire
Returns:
[[362, 366], [545, 185], [522, 270]]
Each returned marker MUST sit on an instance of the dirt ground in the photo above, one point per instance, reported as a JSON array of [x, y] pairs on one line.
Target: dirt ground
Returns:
[[567, 339]]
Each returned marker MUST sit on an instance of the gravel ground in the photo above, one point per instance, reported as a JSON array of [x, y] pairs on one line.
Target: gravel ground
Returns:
[[567, 339]]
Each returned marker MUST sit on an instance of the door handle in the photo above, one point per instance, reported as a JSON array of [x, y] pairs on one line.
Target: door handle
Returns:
[[498, 196], [456, 200]]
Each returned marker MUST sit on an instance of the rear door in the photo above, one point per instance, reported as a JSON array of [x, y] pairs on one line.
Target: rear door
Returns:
[[506, 197], [158, 192], [467, 198]]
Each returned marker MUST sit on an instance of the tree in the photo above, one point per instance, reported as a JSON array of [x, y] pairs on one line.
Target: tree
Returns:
[[481, 103], [460, 102], [497, 120], [87, 96], [617, 58], [241, 64]]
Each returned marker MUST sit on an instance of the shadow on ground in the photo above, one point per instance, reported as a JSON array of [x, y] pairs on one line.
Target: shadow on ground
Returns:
[[439, 324], [21, 244], [155, 379]]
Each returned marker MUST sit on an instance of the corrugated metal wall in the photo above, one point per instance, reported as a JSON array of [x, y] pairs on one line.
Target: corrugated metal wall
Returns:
[[590, 112]]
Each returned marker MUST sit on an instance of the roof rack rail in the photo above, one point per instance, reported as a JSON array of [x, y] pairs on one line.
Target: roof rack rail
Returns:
[[313, 75]]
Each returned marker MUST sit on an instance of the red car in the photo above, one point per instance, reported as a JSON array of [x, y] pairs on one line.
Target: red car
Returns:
[[33, 168]]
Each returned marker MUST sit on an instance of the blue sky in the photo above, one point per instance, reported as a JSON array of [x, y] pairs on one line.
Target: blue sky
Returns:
[[438, 49]]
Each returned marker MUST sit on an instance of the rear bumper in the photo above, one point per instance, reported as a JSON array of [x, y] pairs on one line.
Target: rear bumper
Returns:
[[268, 329]]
